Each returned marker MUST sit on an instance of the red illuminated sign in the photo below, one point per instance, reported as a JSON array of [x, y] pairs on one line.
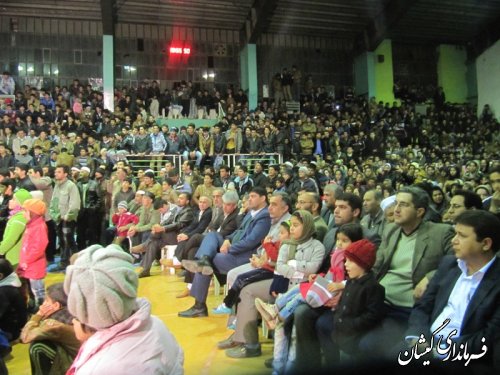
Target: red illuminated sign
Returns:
[[180, 50]]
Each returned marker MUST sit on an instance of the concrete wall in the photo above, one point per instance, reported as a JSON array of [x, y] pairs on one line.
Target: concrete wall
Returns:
[[452, 72], [488, 79]]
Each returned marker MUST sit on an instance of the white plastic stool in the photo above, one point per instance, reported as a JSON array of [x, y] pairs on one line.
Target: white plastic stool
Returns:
[[167, 252]]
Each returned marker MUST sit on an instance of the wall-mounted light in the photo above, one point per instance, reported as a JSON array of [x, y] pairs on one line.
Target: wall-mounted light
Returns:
[[30, 69], [20, 68]]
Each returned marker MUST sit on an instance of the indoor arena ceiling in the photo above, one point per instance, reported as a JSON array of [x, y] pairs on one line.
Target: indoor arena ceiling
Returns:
[[365, 21]]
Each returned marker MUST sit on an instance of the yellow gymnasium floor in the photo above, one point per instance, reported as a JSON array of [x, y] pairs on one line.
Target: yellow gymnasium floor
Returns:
[[198, 337]]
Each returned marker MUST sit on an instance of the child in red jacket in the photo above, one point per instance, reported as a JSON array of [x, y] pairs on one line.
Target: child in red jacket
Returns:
[[265, 270], [32, 263], [122, 221]]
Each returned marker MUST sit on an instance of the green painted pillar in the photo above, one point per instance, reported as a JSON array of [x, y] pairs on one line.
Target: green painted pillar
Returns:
[[364, 75], [248, 74], [452, 72], [108, 71], [384, 74]]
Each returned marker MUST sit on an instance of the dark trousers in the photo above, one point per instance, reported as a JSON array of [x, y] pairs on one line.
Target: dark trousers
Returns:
[[66, 234], [186, 250], [88, 229], [390, 330], [42, 355], [233, 295], [308, 348], [51, 247], [153, 247]]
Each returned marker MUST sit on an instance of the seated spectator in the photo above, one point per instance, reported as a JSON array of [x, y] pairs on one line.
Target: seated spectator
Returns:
[[264, 269], [230, 252], [463, 295], [297, 259], [373, 219], [53, 344], [225, 223], [311, 202], [463, 200], [406, 261], [113, 322], [148, 217], [165, 232], [122, 220]]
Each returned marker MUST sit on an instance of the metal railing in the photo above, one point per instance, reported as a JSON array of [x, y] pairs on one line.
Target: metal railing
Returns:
[[156, 162]]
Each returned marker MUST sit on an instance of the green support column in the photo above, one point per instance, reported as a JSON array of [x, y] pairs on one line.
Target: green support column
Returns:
[[108, 71], [364, 74], [248, 74], [384, 74], [452, 72]]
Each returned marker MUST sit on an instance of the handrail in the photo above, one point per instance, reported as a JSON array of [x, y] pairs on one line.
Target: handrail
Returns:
[[229, 159]]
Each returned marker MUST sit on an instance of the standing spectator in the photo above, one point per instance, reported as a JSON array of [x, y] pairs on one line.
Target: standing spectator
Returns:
[[64, 208], [89, 216], [32, 262], [10, 247]]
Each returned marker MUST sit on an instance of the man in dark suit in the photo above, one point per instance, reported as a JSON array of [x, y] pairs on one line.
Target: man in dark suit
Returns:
[[165, 233], [231, 251], [224, 226], [466, 290], [200, 222]]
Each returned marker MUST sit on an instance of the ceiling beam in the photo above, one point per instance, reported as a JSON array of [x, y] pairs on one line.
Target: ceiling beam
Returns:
[[257, 20], [379, 27]]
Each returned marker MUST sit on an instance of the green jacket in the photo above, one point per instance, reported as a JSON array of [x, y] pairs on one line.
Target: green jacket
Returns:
[[148, 217], [11, 243], [65, 203]]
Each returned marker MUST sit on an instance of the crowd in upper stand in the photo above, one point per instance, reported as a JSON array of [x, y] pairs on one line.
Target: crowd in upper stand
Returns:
[[368, 197]]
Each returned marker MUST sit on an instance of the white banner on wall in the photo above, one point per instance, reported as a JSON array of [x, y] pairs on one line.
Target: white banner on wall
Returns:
[[96, 84]]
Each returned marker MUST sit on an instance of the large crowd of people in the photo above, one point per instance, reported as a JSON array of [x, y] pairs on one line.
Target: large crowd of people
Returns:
[[381, 225]]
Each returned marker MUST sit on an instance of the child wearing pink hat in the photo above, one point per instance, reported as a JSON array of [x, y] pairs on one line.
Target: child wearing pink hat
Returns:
[[32, 262]]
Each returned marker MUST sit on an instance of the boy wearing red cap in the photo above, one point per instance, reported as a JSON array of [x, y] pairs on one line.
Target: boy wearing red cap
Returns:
[[32, 262], [361, 306]]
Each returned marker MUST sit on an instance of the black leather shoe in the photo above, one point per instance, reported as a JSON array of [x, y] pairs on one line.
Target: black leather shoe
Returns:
[[241, 351], [144, 274], [269, 362], [197, 311], [192, 266], [206, 266]]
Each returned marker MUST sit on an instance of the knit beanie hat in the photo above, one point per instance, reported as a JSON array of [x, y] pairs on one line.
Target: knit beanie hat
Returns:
[[37, 194], [101, 286], [123, 204], [362, 252], [36, 206], [22, 195]]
